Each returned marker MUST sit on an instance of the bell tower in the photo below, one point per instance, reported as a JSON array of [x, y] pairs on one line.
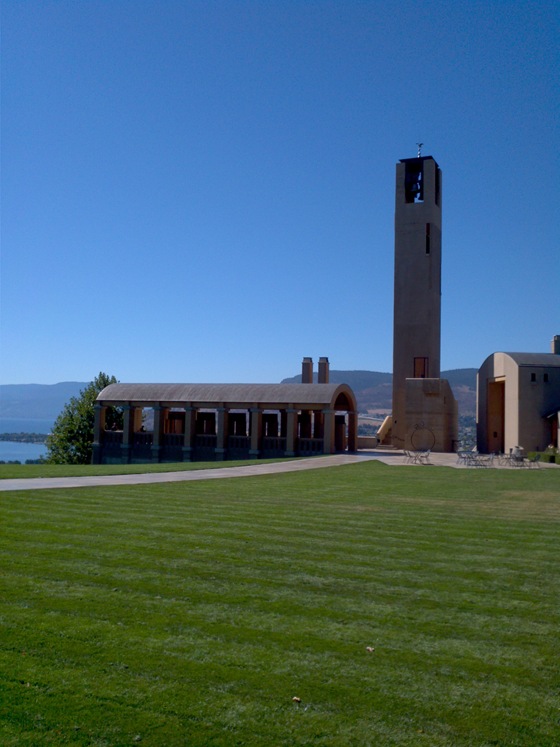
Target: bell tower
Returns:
[[417, 295]]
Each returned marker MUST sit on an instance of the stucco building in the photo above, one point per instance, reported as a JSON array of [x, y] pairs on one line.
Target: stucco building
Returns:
[[424, 411], [518, 401], [205, 422]]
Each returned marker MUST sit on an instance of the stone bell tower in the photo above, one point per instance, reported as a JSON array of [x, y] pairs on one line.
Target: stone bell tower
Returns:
[[420, 398]]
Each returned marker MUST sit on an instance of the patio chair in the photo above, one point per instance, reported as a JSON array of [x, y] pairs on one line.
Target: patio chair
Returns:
[[534, 462]]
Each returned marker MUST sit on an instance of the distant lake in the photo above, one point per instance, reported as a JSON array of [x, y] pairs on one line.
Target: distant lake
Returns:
[[12, 451]]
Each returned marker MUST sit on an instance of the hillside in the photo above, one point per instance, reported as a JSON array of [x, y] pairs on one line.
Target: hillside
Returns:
[[372, 389], [42, 401]]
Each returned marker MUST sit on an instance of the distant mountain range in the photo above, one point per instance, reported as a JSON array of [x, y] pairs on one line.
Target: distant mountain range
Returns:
[[37, 401], [372, 390]]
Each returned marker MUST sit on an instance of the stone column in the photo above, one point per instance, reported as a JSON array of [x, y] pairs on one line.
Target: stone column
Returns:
[[98, 428], [291, 432], [138, 419], [256, 432], [328, 432], [128, 433], [159, 418], [221, 435], [188, 438], [352, 431]]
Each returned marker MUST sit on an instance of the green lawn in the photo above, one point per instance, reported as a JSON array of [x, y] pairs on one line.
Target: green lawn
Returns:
[[192, 614]]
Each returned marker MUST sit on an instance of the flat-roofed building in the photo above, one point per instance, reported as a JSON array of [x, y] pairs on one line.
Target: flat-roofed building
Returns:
[[518, 401]]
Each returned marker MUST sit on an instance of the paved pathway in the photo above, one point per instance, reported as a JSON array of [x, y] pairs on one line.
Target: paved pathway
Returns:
[[386, 456], [36, 483]]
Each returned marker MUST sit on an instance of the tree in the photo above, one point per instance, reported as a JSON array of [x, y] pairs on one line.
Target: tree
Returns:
[[71, 440]]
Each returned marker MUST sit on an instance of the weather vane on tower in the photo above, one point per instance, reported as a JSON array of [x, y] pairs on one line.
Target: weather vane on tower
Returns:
[[419, 149]]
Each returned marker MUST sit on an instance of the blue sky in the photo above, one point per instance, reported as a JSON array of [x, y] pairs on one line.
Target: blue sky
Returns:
[[204, 191]]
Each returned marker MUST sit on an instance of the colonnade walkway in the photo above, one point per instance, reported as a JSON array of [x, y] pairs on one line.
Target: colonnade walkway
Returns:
[[394, 457]]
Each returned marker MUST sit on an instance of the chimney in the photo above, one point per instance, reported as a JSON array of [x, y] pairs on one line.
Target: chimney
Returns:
[[555, 345], [307, 371], [323, 370]]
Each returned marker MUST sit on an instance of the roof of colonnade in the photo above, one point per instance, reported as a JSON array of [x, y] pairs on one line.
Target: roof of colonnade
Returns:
[[333, 396]]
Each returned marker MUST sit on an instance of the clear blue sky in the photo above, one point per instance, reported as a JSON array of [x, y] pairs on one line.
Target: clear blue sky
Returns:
[[204, 191]]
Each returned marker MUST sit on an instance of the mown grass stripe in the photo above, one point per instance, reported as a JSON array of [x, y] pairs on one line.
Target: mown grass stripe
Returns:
[[192, 613]]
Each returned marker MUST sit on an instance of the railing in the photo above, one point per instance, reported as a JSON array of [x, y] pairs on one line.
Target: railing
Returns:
[[239, 442], [309, 446], [273, 446], [141, 439], [204, 447], [173, 440], [205, 441], [171, 447], [112, 439], [238, 447]]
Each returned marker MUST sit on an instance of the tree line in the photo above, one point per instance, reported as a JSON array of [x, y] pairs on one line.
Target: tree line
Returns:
[[24, 438]]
